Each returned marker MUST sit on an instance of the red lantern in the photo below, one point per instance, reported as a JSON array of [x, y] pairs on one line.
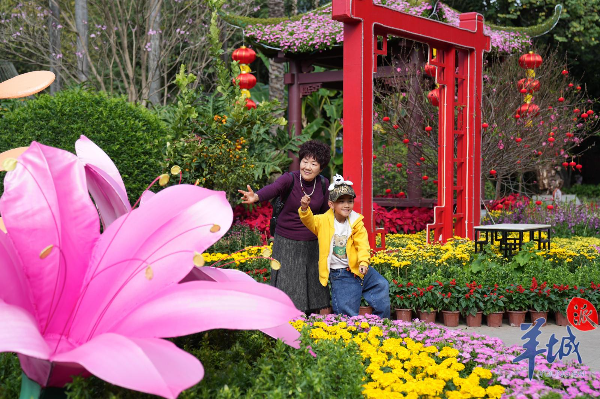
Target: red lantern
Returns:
[[584, 115], [570, 84], [530, 85], [245, 81], [430, 70], [386, 118], [590, 112], [396, 126], [561, 99], [418, 163], [244, 55], [250, 103], [572, 163], [551, 139], [485, 125], [493, 172], [550, 207], [579, 167], [578, 87], [425, 177], [538, 202], [518, 139], [576, 111], [387, 191], [428, 128], [565, 164], [565, 72], [530, 60], [434, 97], [398, 165], [529, 109], [406, 141], [422, 159], [374, 156]]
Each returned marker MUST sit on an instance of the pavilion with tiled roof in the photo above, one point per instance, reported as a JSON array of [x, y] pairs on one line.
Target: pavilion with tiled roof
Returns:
[[315, 39]]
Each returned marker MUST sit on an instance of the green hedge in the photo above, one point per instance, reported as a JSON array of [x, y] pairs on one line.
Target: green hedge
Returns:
[[584, 190], [237, 364], [131, 135]]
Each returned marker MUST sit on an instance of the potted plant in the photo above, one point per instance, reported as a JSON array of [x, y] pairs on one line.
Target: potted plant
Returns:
[[539, 300], [402, 300], [471, 303], [450, 303], [428, 302], [364, 308], [493, 307], [517, 303]]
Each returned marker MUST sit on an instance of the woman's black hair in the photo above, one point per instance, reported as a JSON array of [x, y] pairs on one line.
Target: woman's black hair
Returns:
[[317, 150]]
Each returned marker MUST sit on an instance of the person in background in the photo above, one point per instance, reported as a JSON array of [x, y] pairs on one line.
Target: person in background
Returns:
[[345, 253], [294, 246]]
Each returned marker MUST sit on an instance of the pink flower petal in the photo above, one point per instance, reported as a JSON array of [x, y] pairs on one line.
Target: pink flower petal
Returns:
[[202, 305], [90, 154], [162, 235], [19, 333], [13, 283], [147, 365], [45, 203]]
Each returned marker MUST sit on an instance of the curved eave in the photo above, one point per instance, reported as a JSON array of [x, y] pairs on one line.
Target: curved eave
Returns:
[[535, 30]]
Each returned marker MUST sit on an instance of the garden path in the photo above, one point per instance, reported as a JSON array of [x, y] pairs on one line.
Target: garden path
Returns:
[[589, 341]]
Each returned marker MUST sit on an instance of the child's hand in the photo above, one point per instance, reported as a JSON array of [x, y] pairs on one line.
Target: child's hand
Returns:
[[363, 269], [304, 202]]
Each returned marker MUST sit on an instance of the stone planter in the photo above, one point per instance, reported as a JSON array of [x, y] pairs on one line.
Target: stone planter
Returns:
[[474, 321], [363, 310], [451, 318], [427, 317], [494, 319], [560, 319], [403, 314], [516, 317], [536, 315], [326, 311]]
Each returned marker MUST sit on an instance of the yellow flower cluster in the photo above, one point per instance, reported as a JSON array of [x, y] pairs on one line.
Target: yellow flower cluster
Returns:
[[407, 249], [403, 368], [237, 257]]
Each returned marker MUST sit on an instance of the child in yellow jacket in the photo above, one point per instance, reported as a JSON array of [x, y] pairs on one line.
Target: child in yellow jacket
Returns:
[[344, 253]]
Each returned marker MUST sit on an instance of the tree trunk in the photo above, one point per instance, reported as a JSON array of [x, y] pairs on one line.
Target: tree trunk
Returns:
[[414, 181], [81, 23], [276, 70], [154, 56], [55, 48], [498, 187]]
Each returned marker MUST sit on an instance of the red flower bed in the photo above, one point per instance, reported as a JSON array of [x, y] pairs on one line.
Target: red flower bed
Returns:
[[402, 220], [397, 220]]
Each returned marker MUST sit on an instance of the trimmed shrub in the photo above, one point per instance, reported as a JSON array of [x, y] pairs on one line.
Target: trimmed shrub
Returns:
[[131, 135]]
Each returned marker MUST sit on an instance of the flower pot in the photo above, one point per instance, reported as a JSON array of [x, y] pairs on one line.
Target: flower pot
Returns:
[[474, 321], [325, 311], [536, 315], [451, 318], [363, 310], [561, 319], [404, 314], [427, 317], [494, 319], [516, 317]]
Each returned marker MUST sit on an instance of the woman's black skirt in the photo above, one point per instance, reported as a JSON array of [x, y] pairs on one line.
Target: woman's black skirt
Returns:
[[299, 273]]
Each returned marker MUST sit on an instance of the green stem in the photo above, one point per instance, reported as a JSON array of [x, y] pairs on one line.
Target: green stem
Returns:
[[29, 389]]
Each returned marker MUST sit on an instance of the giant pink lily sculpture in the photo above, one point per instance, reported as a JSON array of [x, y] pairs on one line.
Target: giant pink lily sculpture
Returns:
[[108, 191], [75, 301]]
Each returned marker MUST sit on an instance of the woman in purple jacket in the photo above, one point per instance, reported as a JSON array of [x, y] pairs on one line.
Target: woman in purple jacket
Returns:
[[294, 246]]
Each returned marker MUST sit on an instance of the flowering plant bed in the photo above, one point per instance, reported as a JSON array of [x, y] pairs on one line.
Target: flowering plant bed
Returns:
[[430, 360], [493, 302], [401, 294]]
